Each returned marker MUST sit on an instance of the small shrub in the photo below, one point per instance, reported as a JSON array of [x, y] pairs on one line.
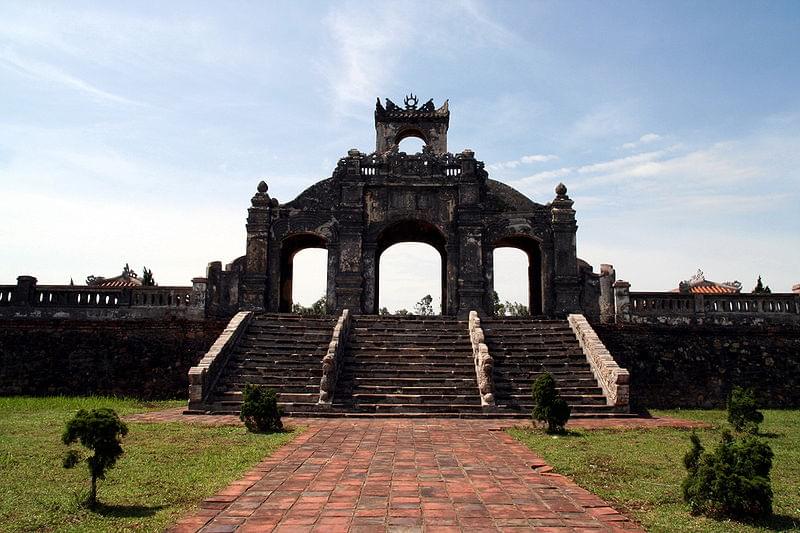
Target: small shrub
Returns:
[[548, 407], [260, 411], [743, 412], [733, 481], [101, 431]]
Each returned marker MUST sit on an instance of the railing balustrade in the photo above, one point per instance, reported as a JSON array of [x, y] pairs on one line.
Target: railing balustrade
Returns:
[[6, 292], [646, 306]]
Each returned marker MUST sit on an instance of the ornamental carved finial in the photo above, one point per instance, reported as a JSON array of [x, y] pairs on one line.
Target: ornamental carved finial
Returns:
[[411, 102]]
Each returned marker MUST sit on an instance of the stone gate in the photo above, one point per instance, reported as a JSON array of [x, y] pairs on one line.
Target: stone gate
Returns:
[[373, 201]]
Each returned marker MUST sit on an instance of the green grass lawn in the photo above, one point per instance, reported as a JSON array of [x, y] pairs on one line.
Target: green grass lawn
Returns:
[[640, 471], [165, 471]]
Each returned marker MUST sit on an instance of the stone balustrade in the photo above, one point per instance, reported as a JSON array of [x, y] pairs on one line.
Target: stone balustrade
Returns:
[[27, 299], [203, 377], [406, 164], [721, 309], [332, 362], [484, 363], [614, 380]]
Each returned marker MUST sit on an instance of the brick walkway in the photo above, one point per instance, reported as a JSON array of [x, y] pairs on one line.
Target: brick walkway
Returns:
[[404, 475]]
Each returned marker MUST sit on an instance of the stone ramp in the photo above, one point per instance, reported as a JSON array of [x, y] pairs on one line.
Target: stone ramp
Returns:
[[404, 475]]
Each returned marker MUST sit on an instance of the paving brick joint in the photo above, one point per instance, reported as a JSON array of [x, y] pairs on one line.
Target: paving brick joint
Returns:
[[403, 475]]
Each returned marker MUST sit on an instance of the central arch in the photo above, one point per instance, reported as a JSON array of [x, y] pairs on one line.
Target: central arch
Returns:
[[411, 231]]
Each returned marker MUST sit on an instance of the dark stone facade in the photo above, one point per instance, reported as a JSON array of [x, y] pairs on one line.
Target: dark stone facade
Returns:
[[697, 366], [147, 359], [373, 201]]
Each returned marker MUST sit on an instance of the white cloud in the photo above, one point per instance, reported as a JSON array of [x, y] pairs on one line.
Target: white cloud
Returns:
[[647, 138], [524, 160], [605, 122]]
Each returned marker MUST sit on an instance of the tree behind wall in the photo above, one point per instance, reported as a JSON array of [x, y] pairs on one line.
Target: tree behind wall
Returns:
[[424, 307]]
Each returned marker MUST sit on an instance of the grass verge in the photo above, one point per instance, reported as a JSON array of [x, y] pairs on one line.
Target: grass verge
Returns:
[[166, 470], [640, 470]]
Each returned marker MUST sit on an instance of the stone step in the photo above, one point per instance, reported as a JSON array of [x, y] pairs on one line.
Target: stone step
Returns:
[[280, 337], [283, 397], [433, 409], [422, 382], [238, 384], [437, 390], [427, 399]]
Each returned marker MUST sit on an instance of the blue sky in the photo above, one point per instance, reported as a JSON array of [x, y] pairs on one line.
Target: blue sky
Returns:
[[138, 131]]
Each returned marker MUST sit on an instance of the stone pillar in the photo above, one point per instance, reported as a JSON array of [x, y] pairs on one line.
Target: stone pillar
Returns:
[[370, 294], [607, 278], [622, 301], [349, 273], [567, 283], [199, 289], [25, 292], [471, 287], [796, 291], [256, 272]]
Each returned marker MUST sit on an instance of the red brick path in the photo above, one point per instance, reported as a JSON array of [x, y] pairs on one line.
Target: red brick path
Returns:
[[404, 475]]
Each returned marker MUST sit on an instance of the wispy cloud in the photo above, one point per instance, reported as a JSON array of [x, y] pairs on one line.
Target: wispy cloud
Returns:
[[365, 59], [51, 74]]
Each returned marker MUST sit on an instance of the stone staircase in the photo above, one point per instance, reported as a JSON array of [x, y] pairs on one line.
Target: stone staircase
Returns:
[[409, 366], [406, 366], [523, 349], [281, 351]]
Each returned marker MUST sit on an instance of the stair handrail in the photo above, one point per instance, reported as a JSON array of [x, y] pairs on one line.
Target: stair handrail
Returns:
[[332, 362], [484, 363], [613, 379], [203, 377]]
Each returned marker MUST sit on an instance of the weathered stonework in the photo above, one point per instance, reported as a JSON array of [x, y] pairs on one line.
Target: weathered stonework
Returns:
[[204, 375], [332, 362], [613, 379], [373, 201], [138, 358], [697, 366], [484, 364]]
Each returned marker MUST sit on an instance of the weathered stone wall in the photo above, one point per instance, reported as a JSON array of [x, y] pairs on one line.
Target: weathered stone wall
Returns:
[[696, 366], [147, 359]]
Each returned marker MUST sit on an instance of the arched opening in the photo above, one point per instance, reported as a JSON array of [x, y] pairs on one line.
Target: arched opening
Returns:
[[410, 141], [519, 276], [290, 249], [417, 265], [408, 272], [309, 277], [411, 145]]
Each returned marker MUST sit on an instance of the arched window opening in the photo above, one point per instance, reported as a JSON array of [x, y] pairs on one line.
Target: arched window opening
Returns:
[[519, 274], [304, 272], [511, 281], [410, 271], [309, 280], [411, 145]]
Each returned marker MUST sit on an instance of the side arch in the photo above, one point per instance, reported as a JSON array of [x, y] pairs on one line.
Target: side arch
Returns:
[[532, 247], [289, 247]]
